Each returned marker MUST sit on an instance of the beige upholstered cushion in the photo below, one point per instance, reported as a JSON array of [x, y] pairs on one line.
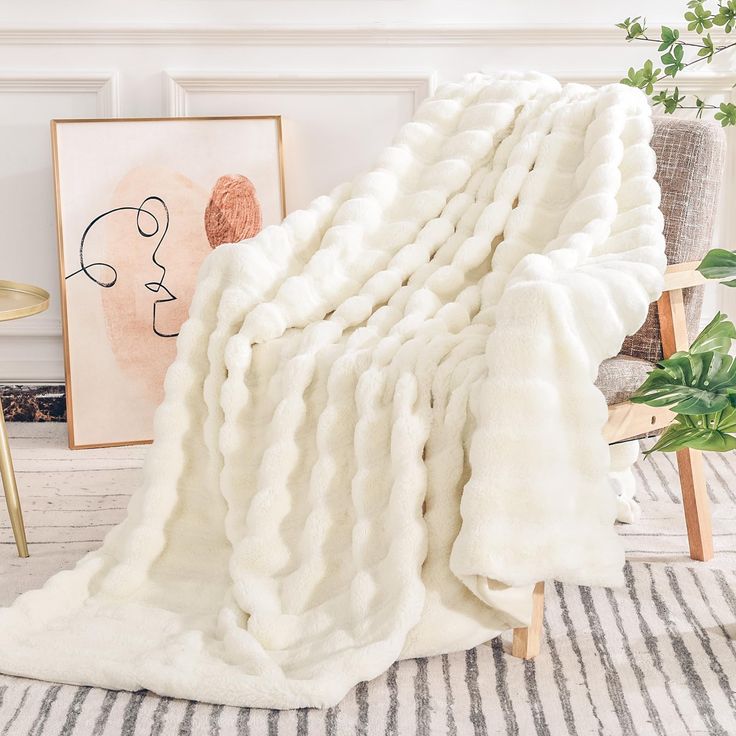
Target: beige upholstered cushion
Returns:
[[690, 156], [619, 377]]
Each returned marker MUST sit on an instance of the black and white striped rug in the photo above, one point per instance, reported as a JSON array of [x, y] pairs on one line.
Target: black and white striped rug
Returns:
[[655, 657]]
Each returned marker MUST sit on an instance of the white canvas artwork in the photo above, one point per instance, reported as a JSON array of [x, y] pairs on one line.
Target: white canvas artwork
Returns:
[[140, 204]]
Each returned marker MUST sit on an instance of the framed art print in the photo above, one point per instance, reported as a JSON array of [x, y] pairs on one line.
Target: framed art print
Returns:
[[140, 203]]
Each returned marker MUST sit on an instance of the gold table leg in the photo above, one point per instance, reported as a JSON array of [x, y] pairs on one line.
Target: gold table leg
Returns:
[[11, 489]]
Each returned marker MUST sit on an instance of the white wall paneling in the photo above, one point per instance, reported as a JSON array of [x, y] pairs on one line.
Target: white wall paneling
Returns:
[[468, 13], [30, 349], [343, 74], [104, 85], [179, 85], [323, 116], [374, 35]]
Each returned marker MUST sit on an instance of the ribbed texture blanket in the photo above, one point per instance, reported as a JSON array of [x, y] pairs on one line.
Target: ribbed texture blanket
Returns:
[[381, 427]]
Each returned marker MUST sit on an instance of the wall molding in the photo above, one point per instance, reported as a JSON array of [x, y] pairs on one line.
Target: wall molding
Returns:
[[44, 333], [37, 327], [102, 84], [276, 35], [178, 85], [705, 83], [32, 350]]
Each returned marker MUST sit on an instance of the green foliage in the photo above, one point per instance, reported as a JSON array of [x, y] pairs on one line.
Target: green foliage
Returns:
[[673, 60], [687, 383], [634, 29], [719, 264], [668, 36], [708, 48], [643, 78], [726, 114], [726, 16], [693, 432], [670, 102], [716, 336], [674, 51], [699, 18], [699, 384]]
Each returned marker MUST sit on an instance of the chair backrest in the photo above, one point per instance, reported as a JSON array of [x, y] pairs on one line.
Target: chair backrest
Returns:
[[690, 161]]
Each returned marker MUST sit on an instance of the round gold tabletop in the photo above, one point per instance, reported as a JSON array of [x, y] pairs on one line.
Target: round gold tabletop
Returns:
[[21, 300]]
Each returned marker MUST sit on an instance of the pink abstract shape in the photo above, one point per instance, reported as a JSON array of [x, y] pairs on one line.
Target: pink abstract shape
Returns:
[[233, 212]]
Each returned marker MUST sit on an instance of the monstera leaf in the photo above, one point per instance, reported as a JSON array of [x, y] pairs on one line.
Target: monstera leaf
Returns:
[[700, 433], [700, 383], [719, 264], [716, 336]]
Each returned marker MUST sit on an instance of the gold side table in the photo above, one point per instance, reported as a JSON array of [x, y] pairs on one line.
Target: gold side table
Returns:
[[16, 301]]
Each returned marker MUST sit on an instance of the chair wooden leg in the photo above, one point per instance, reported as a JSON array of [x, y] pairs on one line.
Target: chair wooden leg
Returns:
[[528, 640], [696, 504]]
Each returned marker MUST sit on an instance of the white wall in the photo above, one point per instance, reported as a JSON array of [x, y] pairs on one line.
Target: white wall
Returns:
[[343, 73]]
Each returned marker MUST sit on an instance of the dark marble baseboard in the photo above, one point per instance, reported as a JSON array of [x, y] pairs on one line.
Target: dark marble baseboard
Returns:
[[34, 403]]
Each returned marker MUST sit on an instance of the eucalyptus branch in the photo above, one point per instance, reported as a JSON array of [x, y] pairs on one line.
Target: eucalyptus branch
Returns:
[[659, 40], [700, 19]]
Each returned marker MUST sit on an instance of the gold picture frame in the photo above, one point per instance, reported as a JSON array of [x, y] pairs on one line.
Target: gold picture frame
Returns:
[[80, 415]]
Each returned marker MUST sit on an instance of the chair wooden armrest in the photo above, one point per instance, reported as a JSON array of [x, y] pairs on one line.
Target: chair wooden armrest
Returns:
[[682, 275], [628, 420]]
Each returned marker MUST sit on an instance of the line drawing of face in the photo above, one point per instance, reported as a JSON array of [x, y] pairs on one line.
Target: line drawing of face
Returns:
[[146, 257], [148, 225], [157, 287], [145, 251]]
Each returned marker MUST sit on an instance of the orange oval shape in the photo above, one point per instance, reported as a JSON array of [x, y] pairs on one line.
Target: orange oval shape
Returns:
[[233, 212]]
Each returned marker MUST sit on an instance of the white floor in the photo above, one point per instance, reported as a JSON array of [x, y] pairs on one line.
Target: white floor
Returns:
[[70, 499]]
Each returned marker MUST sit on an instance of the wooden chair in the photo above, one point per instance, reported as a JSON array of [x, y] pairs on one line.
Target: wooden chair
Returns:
[[690, 156]]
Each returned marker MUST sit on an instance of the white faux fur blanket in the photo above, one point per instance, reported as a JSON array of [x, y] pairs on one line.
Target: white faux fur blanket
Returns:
[[381, 427]]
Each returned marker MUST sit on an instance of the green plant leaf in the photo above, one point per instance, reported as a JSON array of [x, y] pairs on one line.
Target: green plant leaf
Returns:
[[718, 264], [648, 76], [726, 16], [630, 78], [678, 436], [644, 78], [699, 19], [724, 421], [668, 36], [726, 114], [699, 383], [673, 60], [670, 102], [708, 48], [634, 29], [716, 336], [659, 98]]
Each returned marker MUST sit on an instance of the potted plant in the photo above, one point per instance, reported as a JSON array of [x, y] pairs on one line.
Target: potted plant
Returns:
[[698, 385]]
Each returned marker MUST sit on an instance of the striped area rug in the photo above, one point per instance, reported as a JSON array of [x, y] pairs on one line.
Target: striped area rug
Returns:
[[657, 656]]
